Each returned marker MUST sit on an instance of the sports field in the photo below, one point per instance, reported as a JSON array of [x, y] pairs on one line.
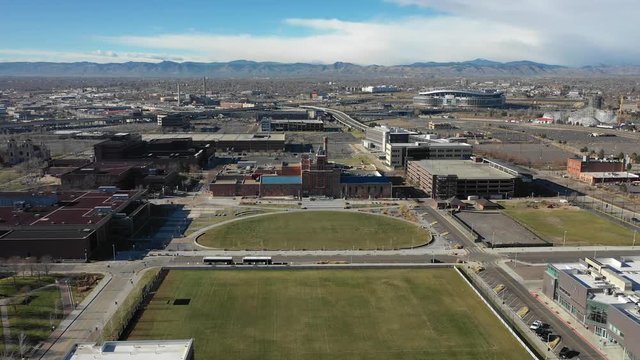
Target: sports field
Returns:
[[315, 230], [327, 314], [582, 227]]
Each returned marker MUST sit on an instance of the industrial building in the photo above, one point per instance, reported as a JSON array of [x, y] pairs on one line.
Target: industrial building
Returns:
[[162, 152], [314, 175], [22, 151], [460, 99], [231, 142], [268, 124], [603, 294], [134, 350], [68, 225], [124, 176], [173, 120], [443, 179], [379, 89], [595, 171]]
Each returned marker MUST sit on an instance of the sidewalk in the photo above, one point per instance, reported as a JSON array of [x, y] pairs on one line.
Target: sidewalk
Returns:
[[608, 351]]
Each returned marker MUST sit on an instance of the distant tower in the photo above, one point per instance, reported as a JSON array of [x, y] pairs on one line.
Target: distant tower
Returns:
[[204, 86], [178, 94]]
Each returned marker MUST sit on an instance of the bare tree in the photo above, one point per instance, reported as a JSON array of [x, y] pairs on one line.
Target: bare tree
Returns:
[[7, 354], [23, 344], [46, 261]]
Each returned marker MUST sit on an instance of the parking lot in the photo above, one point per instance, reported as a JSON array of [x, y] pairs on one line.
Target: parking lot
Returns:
[[499, 230]]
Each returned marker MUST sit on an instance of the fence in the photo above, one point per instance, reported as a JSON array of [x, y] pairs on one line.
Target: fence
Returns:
[[508, 315]]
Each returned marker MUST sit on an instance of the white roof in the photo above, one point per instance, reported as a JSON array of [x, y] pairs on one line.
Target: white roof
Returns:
[[133, 350]]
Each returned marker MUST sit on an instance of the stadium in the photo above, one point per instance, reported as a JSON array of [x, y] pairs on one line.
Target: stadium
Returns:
[[459, 99]]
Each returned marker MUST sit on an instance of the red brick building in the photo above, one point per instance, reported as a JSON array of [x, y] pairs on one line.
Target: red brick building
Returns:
[[575, 167]]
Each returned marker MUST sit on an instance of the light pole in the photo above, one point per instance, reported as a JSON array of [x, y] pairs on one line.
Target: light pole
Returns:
[[113, 246], [564, 238], [634, 238]]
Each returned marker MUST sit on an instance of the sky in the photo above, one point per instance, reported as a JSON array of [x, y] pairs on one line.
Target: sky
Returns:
[[384, 32]]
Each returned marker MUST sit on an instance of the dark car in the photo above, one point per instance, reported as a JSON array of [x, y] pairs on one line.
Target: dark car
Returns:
[[566, 353]]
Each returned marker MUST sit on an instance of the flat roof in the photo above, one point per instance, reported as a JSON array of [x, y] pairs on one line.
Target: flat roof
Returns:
[[62, 208], [266, 179], [611, 175], [133, 350], [356, 179], [219, 137], [463, 169]]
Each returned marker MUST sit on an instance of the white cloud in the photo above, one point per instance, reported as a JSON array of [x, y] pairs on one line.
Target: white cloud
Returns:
[[572, 32], [97, 56], [409, 40]]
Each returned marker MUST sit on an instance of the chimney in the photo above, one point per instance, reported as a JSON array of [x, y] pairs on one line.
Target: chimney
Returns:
[[178, 95]]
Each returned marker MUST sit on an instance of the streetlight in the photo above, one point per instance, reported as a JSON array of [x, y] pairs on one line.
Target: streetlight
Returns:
[[564, 238], [114, 251], [634, 238]]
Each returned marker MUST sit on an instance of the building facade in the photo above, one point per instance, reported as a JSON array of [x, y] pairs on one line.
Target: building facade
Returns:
[[460, 99], [603, 294], [443, 179]]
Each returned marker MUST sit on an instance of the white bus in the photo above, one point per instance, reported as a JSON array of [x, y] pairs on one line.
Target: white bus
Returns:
[[265, 260], [214, 260]]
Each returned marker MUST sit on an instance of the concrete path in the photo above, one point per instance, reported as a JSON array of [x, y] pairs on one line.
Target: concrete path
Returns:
[[6, 329]]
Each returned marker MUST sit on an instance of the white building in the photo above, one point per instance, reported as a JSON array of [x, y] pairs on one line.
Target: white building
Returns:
[[134, 350]]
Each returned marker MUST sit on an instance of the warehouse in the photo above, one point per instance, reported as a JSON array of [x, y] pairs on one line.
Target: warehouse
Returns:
[[442, 179]]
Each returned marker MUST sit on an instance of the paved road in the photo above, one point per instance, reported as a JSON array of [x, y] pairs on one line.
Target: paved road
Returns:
[[569, 338]]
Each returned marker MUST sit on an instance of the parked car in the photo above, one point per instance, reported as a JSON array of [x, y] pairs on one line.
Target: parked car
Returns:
[[535, 325], [566, 353]]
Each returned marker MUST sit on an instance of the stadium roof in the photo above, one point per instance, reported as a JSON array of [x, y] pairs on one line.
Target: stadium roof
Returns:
[[461, 92]]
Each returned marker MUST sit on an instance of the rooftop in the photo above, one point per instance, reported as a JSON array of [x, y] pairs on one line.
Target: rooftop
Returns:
[[220, 137], [463, 169], [133, 350], [280, 180]]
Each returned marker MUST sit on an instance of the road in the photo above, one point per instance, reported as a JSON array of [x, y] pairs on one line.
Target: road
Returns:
[[341, 117]]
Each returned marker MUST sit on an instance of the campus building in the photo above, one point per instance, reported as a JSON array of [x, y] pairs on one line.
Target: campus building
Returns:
[[70, 224], [603, 294], [314, 175], [231, 142], [134, 350], [163, 152], [122, 175], [443, 179], [460, 99]]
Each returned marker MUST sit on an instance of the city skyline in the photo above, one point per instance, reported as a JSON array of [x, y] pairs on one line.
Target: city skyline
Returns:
[[390, 32]]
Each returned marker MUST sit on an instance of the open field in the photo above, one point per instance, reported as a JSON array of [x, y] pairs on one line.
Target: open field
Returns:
[[329, 230], [582, 227], [327, 314]]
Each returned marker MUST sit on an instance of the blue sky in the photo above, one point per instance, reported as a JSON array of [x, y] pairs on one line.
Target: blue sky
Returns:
[[572, 32]]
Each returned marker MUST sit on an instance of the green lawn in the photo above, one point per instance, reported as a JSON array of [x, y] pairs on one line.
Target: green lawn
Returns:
[[583, 227], [36, 317], [315, 230], [327, 314], [11, 286]]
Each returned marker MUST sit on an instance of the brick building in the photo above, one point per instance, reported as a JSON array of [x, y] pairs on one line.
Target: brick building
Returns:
[[577, 166], [68, 225]]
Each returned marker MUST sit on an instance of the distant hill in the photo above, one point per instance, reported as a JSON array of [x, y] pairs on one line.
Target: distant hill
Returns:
[[252, 69]]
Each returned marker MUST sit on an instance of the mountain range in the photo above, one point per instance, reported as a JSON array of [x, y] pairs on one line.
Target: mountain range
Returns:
[[252, 69]]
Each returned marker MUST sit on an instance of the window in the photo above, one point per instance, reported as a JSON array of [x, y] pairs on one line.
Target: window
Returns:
[[616, 331]]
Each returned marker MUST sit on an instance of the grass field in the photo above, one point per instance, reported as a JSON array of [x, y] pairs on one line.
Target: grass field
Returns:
[[315, 230], [583, 227], [327, 314]]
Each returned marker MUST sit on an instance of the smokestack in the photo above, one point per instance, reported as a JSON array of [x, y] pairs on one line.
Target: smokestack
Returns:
[[326, 146], [204, 86], [178, 95]]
